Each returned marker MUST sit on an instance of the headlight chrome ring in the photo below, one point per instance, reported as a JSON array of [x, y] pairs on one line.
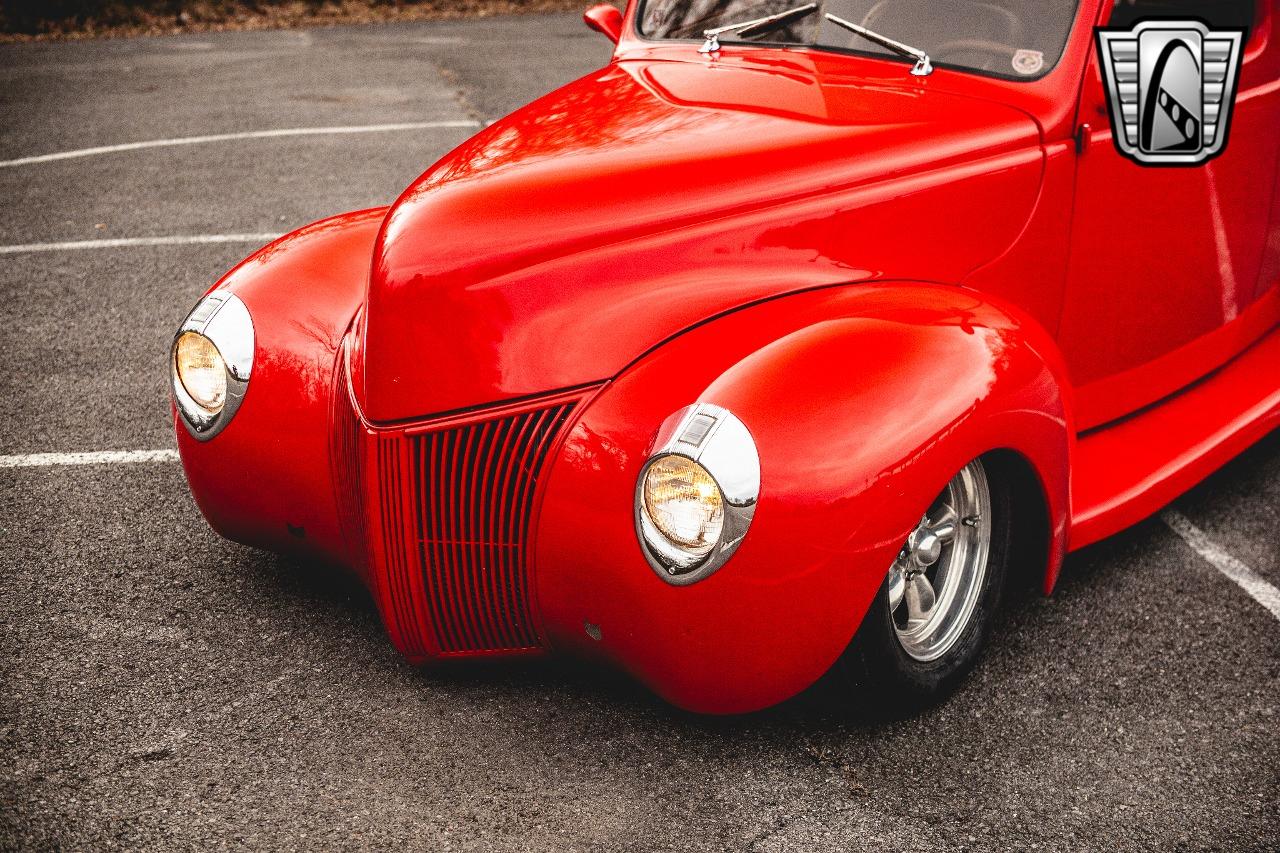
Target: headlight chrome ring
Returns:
[[697, 493], [216, 338]]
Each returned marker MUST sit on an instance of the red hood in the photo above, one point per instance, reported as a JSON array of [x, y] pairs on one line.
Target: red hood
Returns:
[[561, 243]]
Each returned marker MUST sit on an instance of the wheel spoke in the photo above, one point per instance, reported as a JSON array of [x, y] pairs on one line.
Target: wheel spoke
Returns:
[[919, 597], [944, 524], [897, 587]]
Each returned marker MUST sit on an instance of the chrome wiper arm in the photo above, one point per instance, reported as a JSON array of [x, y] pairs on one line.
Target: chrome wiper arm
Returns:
[[923, 66], [712, 43]]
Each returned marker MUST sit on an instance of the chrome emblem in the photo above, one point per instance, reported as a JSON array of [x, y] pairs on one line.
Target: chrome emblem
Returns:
[[1027, 62], [1170, 88]]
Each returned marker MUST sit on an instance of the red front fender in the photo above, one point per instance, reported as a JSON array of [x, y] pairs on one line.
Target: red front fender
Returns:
[[265, 479], [863, 401]]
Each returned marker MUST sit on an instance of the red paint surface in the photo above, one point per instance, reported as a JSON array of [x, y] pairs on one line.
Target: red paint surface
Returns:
[[651, 195], [882, 276], [846, 467], [606, 20], [271, 468], [1162, 259]]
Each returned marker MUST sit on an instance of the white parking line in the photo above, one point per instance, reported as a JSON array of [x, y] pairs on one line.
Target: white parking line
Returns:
[[124, 242], [228, 137], [1248, 580], [102, 457]]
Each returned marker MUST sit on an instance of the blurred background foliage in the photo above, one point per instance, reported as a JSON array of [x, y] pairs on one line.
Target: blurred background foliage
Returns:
[[78, 18]]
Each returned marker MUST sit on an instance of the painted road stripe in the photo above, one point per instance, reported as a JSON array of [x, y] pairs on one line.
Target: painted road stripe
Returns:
[[103, 457], [229, 137], [124, 242], [1248, 580]]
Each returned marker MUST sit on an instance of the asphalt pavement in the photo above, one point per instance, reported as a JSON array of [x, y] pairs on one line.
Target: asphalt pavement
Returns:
[[161, 688]]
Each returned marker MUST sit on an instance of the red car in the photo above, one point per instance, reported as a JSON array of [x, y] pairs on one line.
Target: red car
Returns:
[[782, 343]]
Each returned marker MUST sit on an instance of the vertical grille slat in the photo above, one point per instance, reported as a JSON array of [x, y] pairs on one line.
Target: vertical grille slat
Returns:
[[452, 538], [510, 532], [410, 495], [469, 566], [399, 573], [480, 530], [439, 579], [482, 498], [395, 530], [520, 499], [463, 568], [503, 512], [497, 512]]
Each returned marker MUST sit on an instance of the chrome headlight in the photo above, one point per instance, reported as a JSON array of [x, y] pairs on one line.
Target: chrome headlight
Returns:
[[210, 363], [697, 493]]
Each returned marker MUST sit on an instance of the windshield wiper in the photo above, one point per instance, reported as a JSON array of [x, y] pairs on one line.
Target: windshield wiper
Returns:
[[712, 43], [923, 66]]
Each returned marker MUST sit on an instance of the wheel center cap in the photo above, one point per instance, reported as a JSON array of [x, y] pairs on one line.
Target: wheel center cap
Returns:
[[925, 547]]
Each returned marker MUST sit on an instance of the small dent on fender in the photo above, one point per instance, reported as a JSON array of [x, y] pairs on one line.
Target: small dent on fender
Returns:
[[298, 532]]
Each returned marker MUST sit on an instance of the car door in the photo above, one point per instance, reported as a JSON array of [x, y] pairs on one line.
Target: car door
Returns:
[[1172, 270]]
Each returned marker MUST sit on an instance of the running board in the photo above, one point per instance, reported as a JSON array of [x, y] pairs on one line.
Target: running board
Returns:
[[1128, 470]]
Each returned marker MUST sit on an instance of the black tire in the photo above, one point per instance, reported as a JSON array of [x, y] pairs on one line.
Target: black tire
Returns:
[[878, 674]]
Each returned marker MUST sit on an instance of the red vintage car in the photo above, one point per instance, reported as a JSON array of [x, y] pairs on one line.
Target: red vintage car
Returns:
[[781, 344]]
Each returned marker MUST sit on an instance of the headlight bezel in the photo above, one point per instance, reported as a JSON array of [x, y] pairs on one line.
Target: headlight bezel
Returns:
[[222, 319], [720, 443]]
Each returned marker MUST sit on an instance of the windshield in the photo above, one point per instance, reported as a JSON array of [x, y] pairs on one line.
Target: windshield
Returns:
[[1020, 39]]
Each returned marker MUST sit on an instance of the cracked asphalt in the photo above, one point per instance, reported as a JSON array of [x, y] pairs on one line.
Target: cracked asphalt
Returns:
[[161, 688]]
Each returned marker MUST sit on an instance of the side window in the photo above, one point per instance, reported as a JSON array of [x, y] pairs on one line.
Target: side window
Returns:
[[1215, 13]]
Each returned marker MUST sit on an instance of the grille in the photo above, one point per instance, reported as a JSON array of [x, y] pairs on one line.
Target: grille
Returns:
[[456, 507]]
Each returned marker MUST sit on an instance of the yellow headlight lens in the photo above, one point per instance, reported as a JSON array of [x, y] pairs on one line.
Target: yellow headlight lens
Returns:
[[683, 502], [201, 371]]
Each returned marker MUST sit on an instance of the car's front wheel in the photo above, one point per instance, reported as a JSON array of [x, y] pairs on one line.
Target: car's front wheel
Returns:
[[933, 613]]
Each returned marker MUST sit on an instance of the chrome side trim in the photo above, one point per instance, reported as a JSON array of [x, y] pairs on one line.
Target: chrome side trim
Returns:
[[717, 440], [223, 319]]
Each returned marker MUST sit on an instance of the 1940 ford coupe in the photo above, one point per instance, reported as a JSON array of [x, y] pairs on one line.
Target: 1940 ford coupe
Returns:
[[780, 344]]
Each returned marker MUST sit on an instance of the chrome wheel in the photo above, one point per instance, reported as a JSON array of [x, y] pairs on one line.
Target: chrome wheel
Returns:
[[936, 581]]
